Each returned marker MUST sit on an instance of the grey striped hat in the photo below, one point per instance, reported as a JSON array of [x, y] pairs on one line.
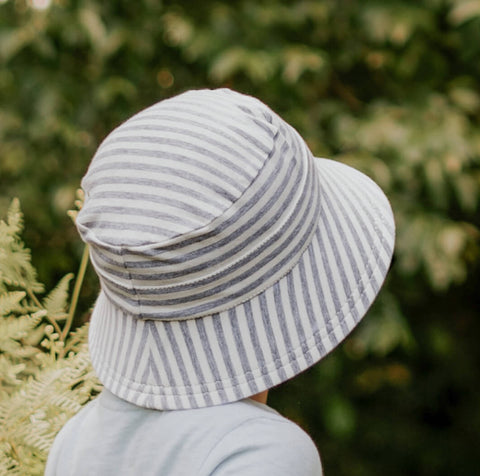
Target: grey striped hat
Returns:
[[230, 259]]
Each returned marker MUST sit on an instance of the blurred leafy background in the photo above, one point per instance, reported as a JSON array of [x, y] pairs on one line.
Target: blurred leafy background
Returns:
[[391, 87]]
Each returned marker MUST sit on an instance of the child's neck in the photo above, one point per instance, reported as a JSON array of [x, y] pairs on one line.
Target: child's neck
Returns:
[[260, 397]]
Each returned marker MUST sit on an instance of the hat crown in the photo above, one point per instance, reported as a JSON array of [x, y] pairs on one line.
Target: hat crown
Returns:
[[196, 204], [192, 155]]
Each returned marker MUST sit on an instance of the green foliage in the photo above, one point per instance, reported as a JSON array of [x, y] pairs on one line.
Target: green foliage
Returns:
[[391, 87], [16, 269], [45, 372]]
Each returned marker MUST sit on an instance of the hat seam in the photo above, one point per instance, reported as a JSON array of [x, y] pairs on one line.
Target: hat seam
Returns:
[[130, 280], [256, 292], [258, 372], [264, 241], [121, 251]]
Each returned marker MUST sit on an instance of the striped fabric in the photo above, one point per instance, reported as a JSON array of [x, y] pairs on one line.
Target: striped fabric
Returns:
[[229, 258]]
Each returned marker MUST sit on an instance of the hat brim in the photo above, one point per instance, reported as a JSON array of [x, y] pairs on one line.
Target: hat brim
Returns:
[[272, 336]]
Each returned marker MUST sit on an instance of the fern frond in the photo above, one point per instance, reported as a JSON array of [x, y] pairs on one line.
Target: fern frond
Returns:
[[56, 301], [32, 416], [15, 217], [77, 338], [16, 328], [34, 337], [15, 259], [9, 374], [10, 302], [8, 464], [45, 370], [17, 268]]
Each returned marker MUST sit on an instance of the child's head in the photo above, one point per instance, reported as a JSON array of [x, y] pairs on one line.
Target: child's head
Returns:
[[230, 259]]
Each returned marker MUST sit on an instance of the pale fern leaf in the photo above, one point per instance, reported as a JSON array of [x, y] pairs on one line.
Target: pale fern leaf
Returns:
[[15, 259], [56, 301], [16, 328], [8, 465], [17, 268], [9, 374], [10, 302], [15, 217]]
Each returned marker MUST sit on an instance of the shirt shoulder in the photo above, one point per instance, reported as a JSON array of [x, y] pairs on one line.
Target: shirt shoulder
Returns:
[[113, 437], [65, 435], [266, 443]]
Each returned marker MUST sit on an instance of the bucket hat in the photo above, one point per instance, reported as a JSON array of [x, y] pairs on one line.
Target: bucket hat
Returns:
[[230, 259]]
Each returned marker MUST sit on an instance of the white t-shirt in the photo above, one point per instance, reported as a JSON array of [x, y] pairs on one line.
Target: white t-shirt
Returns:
[[113, 437]]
